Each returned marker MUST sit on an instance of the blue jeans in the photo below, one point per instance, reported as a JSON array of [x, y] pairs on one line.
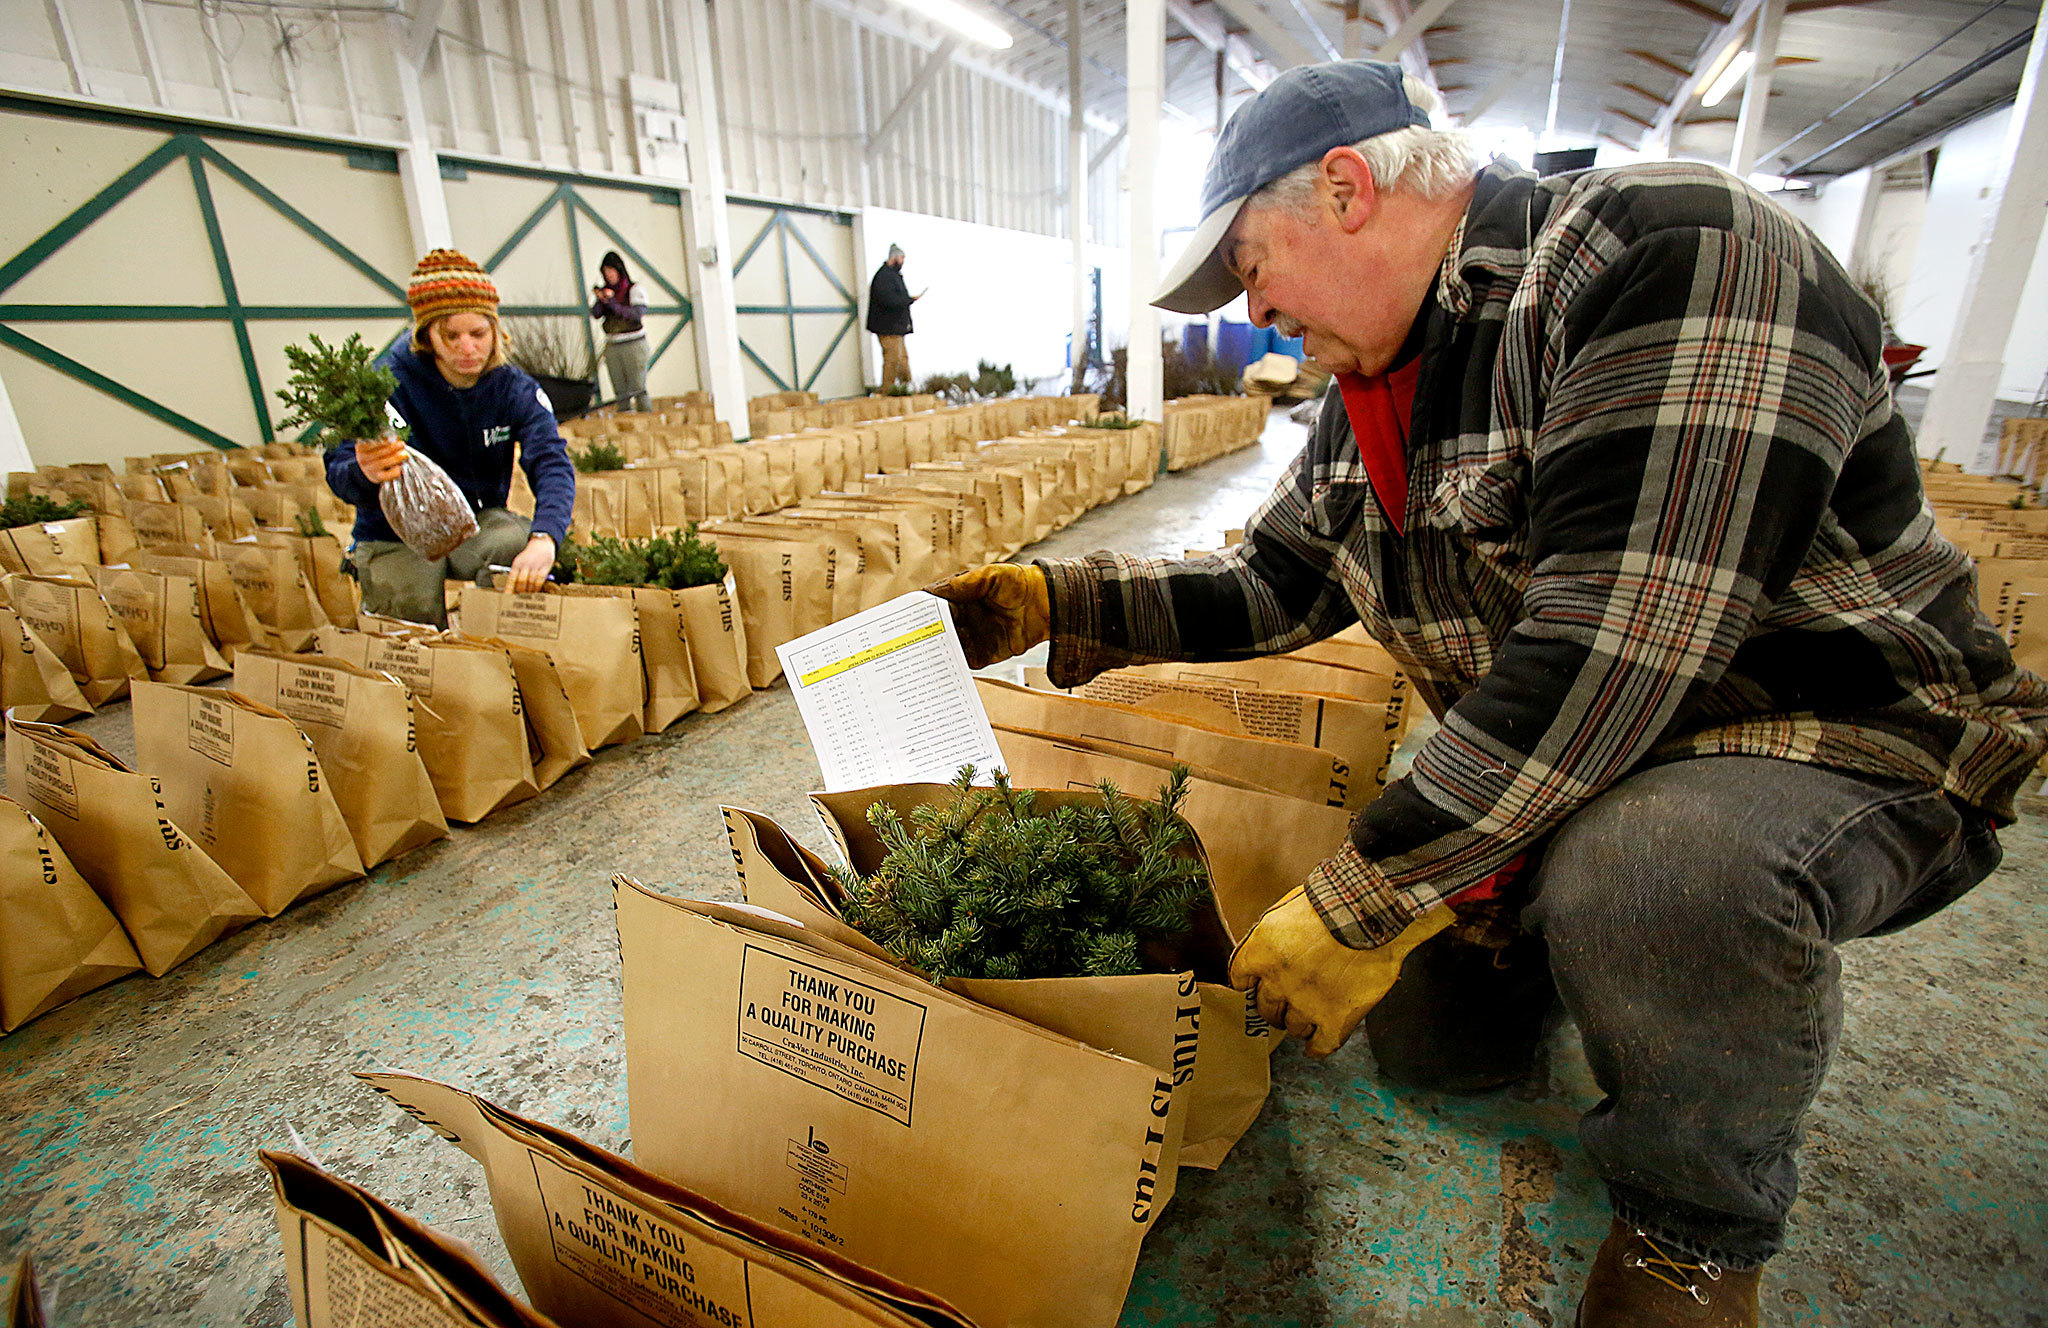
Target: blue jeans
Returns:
[[1691, 914]]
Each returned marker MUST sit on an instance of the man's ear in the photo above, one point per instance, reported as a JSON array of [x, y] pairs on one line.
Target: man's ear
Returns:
[[1353, 196]]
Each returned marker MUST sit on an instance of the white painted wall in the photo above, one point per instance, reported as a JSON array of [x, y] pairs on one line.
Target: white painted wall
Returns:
[[1832, 211], [1958, 207], [998, 295]]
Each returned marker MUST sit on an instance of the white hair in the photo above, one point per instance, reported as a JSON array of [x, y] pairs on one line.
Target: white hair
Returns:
[[1428, 162]]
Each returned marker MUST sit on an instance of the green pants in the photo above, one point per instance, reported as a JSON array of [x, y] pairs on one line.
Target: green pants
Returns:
[[398, 583]]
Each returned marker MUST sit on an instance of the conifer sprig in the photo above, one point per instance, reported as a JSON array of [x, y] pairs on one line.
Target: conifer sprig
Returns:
[[983, 884]]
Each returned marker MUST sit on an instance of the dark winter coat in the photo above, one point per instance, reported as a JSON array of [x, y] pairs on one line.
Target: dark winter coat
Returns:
[[888, 303], [470, 432]]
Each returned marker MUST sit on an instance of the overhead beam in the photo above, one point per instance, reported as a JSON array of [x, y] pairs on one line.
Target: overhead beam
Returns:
[[889, 26], [934, 60], [1415, 56], [1631, 117], [1426, 13], [1499, 88], [1102, 153], [1641, 91], [1721, 41], [1237, 53], [67, 45], [1670, 67], [1756, 97], [1707, 12], [145, 47], [1322, 39], [1260, 24], [420, 29]]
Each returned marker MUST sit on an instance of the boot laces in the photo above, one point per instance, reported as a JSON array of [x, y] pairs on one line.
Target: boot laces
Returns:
[[1668, 1270]]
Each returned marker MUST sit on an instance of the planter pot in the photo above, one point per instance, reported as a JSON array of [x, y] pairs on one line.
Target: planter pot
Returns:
[[569, 397]]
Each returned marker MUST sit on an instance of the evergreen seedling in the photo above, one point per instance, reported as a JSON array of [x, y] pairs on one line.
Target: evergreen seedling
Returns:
[[338, 388], [598, 457], [35, 509], [309, 523], [672, 560], [986, 884]]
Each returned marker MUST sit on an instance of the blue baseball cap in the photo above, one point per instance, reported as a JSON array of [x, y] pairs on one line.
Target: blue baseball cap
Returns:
[[1303, 114]]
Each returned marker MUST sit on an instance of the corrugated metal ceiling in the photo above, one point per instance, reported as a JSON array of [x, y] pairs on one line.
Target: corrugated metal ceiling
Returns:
[[1843, 64]]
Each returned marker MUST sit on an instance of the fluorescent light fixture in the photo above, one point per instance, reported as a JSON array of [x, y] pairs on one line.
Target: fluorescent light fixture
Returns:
[[1777, 184], [958, 17], [1729, 78]]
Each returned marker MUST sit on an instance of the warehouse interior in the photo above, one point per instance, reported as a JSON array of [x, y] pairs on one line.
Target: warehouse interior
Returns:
[[197, 187]]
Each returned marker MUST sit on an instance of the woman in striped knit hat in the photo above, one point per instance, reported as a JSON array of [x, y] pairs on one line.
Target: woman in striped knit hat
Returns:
[[468, 410]]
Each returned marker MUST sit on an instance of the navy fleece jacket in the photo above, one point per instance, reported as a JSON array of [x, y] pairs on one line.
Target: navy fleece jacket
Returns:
[[470, 433]]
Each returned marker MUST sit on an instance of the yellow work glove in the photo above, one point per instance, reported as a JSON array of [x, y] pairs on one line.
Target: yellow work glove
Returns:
[[1310, 983], [1000, 610]]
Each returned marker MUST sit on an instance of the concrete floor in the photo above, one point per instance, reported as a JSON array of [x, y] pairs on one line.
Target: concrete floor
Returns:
[[490, 960]]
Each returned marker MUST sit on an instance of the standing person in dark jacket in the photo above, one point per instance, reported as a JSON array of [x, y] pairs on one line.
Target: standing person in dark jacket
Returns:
[[467, 409], [622, 304], [889, 302], [1613, 470]]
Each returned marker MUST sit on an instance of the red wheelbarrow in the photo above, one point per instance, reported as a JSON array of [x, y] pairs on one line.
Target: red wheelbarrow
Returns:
[[1901, 358]]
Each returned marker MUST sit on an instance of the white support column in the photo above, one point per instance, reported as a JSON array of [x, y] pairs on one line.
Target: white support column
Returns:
[[1866, 216], [419, 165], [1077, 193], [1756, 97], [13, 444], [1145, 58], [1960, 405], [717, 318]]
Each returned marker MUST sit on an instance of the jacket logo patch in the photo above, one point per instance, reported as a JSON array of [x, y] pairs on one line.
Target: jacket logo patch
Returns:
[[496, 434]]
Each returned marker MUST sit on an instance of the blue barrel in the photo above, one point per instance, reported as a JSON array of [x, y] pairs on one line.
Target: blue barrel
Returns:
[[1234, 345]]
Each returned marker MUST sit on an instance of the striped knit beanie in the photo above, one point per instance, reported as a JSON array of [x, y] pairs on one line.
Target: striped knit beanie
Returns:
[[448, 281]]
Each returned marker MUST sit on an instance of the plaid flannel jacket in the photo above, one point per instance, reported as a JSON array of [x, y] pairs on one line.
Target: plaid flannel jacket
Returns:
[[1660, 506]]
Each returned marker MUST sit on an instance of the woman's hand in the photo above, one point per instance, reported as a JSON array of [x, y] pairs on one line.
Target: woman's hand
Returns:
[[530, 569], [382, 459]]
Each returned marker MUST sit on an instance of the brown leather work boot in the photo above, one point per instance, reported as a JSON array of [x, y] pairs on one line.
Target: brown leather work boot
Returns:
[[1637, 1282]]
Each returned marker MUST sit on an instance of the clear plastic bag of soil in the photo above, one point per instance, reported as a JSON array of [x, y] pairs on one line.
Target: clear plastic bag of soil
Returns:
[[426, 508]]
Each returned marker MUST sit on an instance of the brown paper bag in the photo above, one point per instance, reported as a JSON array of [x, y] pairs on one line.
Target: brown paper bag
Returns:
[[117, 537], [598, 1240], [226, 516], [34, 684], [352, 1261], [25, 1308], [1219, 1047], [319, 558], [671, 679], [783, 594], [553, 736], [160, 523], [54, 548], [277, 593], [75, 622], [1290, 769], [160, 614], [248, 784], [472, 734], [365, 732], [173, 900], [224, 615], [61, 940], [595, 643], [842, 556], [777, 1073], [716, 630], [1364, 734]]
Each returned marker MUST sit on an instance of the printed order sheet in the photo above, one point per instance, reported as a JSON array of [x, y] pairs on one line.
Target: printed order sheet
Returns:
[[887, 696]]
